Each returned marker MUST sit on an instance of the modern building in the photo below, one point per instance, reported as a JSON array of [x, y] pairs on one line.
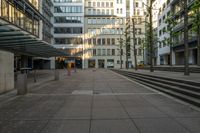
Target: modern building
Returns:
[[69, 30], [106, 22], [178, 46], [163, 53], [25, 33], [46, 34]]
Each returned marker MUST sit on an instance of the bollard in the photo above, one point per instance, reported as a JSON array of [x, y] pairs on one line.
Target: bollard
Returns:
[[21, 85], [57, 77]]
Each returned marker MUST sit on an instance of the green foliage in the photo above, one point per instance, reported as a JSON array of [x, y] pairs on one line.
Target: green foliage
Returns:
[[171, 23], [195, 16]]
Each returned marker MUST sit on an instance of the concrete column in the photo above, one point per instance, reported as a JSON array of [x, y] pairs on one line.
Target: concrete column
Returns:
[[21, 85], [173, 58], [57, 75]]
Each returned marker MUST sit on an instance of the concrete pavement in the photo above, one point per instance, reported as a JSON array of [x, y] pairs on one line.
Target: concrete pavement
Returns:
[[95, 102]]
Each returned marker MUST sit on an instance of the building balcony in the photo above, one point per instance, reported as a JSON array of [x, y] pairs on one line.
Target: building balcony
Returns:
[[191, 41]]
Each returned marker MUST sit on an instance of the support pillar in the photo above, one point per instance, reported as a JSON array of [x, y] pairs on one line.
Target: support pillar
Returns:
[[22, 87]]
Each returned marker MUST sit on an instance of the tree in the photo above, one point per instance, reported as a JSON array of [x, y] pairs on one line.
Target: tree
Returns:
[[170, 25], [134, 43], [186, 61], [151, 36], [121, 50], [127, 41], [196, 25]]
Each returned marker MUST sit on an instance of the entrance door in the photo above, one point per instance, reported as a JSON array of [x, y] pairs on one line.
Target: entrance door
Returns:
[[101, 63], [91, 63]]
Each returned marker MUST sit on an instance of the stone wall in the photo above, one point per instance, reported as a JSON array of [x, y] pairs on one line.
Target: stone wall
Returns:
[[6, 71]]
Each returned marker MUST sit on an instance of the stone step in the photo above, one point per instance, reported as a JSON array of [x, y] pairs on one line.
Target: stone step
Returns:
[[174, 69], [191, 95], [180, 96], [166, 81]]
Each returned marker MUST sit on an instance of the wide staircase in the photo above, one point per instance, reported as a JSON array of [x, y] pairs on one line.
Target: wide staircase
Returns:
[[172, 69], [188, 91]]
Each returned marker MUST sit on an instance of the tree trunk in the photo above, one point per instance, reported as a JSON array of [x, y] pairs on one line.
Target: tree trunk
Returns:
[[151, 42], [198, 47], [121, 43], [171, 50], [186, 61], [134, 42]]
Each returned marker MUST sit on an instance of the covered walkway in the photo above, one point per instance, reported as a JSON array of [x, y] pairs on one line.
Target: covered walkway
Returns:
[[96, 101]]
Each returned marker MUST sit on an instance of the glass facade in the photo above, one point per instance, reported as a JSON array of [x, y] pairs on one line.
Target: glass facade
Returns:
[[71, 19], [68, 30], [47, 30], [67, 1], [68, 41], [35, 3], [19, 18], [68, 9]]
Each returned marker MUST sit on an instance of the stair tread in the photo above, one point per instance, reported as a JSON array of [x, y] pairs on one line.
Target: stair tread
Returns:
[[179, 94], [174, 87], [178, 83]]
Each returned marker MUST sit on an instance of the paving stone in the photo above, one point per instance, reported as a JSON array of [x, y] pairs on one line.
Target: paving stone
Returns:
[[21, 126], [73, 113], [193, 124], [180, 111], [67, 126], [159, 125], [109, 113], [145, 112], [54, 108], [113, 126]]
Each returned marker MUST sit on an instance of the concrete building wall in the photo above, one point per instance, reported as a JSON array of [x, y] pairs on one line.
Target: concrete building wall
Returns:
[[6, 71], [162, 33]]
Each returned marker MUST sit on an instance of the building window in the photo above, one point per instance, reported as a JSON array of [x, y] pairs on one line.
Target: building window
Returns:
[[107, 4], [111, 4], [104, 52], [94, 41], [71, 19], [68, 30], [99, 41], [99, 52], [68, 40], [136, 4], [113, 52], [108, 52], [113, 41], [107, 11], [94, 11], [103, 41], [94, 52], [108, 41], [94, 4], [89, 41], [102, 4], [89, 4], [98, 4], [68, 9]]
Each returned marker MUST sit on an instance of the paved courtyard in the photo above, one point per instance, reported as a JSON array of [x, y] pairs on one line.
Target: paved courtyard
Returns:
[[95, 102]]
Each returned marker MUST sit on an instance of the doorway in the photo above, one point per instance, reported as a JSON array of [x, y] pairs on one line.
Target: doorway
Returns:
[[101, 63]]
